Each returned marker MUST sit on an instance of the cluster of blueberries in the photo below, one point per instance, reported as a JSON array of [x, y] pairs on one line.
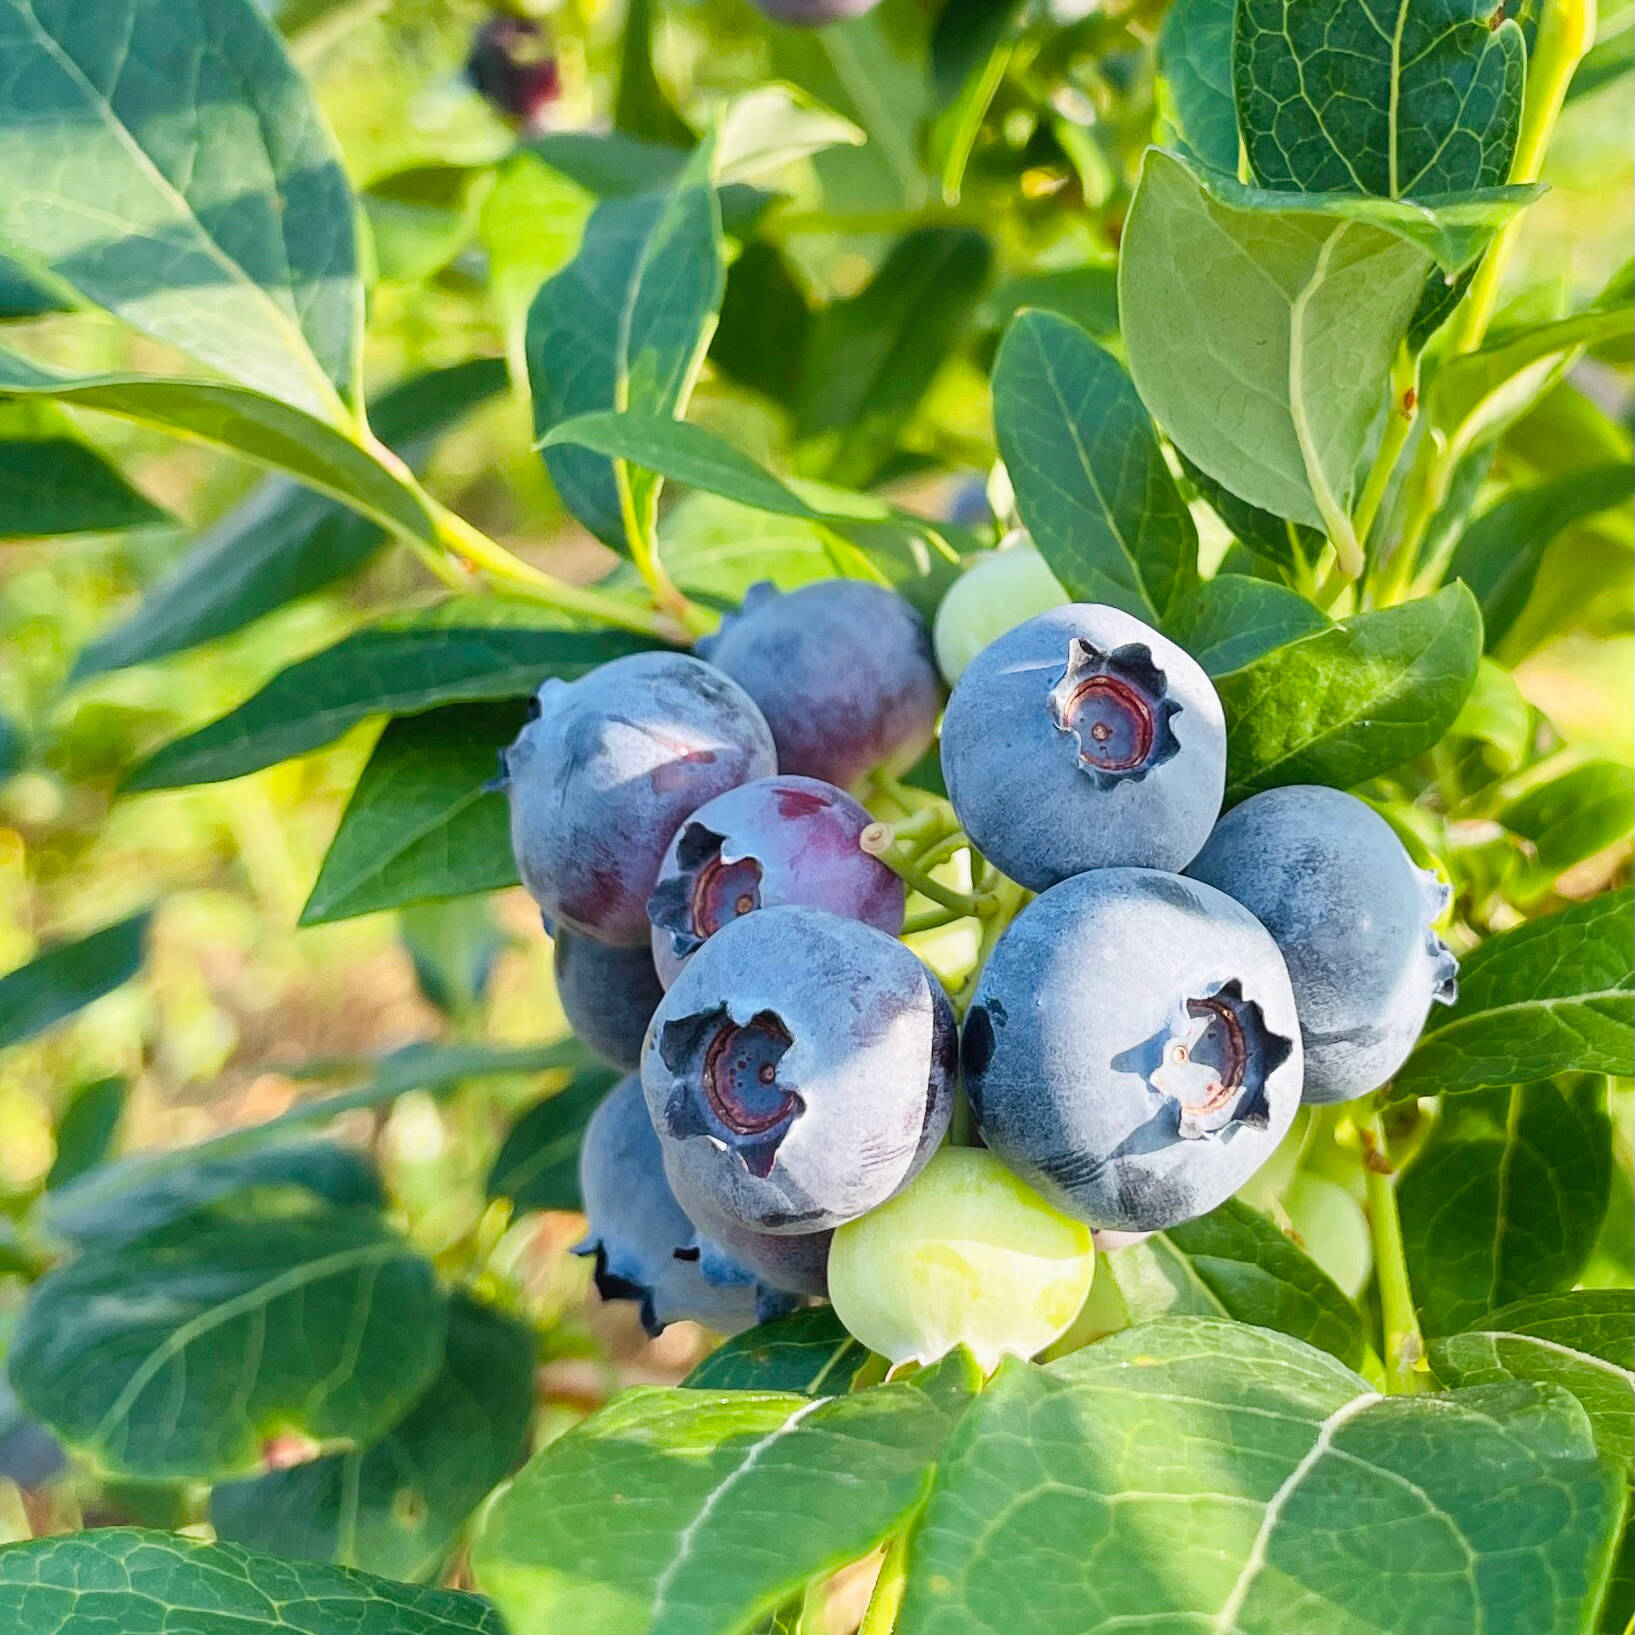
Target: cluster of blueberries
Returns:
[[1139, 1038]]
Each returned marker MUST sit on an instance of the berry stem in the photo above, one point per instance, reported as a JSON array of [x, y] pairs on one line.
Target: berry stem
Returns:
[[1404, 1345], [882, 840], [887, 1600], [932, 919], [1006, 899]]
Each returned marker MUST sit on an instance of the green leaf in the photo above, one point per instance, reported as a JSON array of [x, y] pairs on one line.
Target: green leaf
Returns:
[[1394, 100], [147, 1191], [971, 47], [765, 130], [176, 1355], [170, 166], [384, 671], [1581, 1341], [765, 324], [22, 295], [1553, 995], [1506, 1198], [1234, 1262], [1195, 59], [808, 1352], [538, 1163], [640, 105], [1231, 620], [88, 1130], [1287, 544], [1087, 295], [715, 549], [150, 1583], [423, 823], [397, 1507], [1499, 554], [1090, 480], [261, 429], [285, 541], [1261, 326], [872, 357], [689, 1512], [625, 326], [68, 976], [1203, 1475], [1574, 816], [51, 483], [1353, 700]]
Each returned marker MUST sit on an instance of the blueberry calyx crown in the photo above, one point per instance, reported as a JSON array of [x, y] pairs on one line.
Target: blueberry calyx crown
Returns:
[[611, 1286], [708, 890], [1214, 1063], [727, 1083], [1115, 704], [1444, 962]]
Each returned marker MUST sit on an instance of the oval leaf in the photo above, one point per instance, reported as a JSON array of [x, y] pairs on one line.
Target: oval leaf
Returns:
[[808, 1352], [68, 977]]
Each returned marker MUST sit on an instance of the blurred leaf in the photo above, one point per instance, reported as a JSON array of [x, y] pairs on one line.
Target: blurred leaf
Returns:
[[422, 824], [1607, 61], [1090, 480], [1498, 555], [152, 1583], [765, 130], [147, 1191], [397, 1507], [538, 1164], [383, 671], [177, 1354], [1195, 58], [1574, 816], [872, 357], [87, 1130], [764, 327], [1354, 700], [716, 549], [808, 1352], [53, 484], [1236, 301], [1506, 1197], [1235, 1479], [24, 296], [421, 219], [1581, 1341], [1232, 620], [610, 164], [971, 47], [625, 326], [453, 946], [1234, 1262], [721, 1532], [68, 976], [285, 541], [640, 105], [1553, 995], [1498, 715], [1427, 102], [200, 199], [1087, 296]]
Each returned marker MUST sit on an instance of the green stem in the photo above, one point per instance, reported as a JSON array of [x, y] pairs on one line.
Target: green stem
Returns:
[[963, 904], [887, 1600], [1404, 1345], [1399, 423], [1005, 903], [638, 534], [1566, 30], [932, 919]]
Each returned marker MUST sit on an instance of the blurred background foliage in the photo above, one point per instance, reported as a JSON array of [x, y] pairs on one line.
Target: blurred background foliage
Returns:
[[235, 1005]]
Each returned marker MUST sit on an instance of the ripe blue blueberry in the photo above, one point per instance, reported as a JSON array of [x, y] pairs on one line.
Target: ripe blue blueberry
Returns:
[[777, 841], [1083, 740], [799, 1070], [1132, 1048], [843, 672], [796, 1261], [607, 770], [646, 1248], [608, 996], [1327, 876]]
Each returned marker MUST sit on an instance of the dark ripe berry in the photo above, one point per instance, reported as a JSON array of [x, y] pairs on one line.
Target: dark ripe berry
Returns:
[[843, 672], [608, 995], [772, 843], [799, 1070], [513, 66]]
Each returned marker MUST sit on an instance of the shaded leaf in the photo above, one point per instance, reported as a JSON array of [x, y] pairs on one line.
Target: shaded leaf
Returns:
[[765, 324], [384, 671], [1288, 544], [808, 1352], [52, 484], [1195, 59], [1090, 481], [538, 1163], [169, 165], [68, 976], [1506, 1197], [1232, 620], [1553, 995], [397, 1507], [1576, 815], [87, 1130], [150, 1583], [640, 105], [177, 1354], [22, 295]]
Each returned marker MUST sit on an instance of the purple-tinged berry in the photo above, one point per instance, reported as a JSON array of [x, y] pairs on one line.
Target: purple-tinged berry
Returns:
[[605, 773], [841, 669], [800, 1069], [1132, 1048], [768, 844], [1082, 739], [1328, 877], [646, 1248], [513, 67], [608, 996]]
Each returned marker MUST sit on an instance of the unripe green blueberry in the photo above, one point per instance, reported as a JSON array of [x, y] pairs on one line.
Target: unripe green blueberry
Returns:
[[966, 1254], [998, 591]]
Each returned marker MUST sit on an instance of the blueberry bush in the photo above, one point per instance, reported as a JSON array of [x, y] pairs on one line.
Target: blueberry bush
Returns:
[[1037, 596]]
